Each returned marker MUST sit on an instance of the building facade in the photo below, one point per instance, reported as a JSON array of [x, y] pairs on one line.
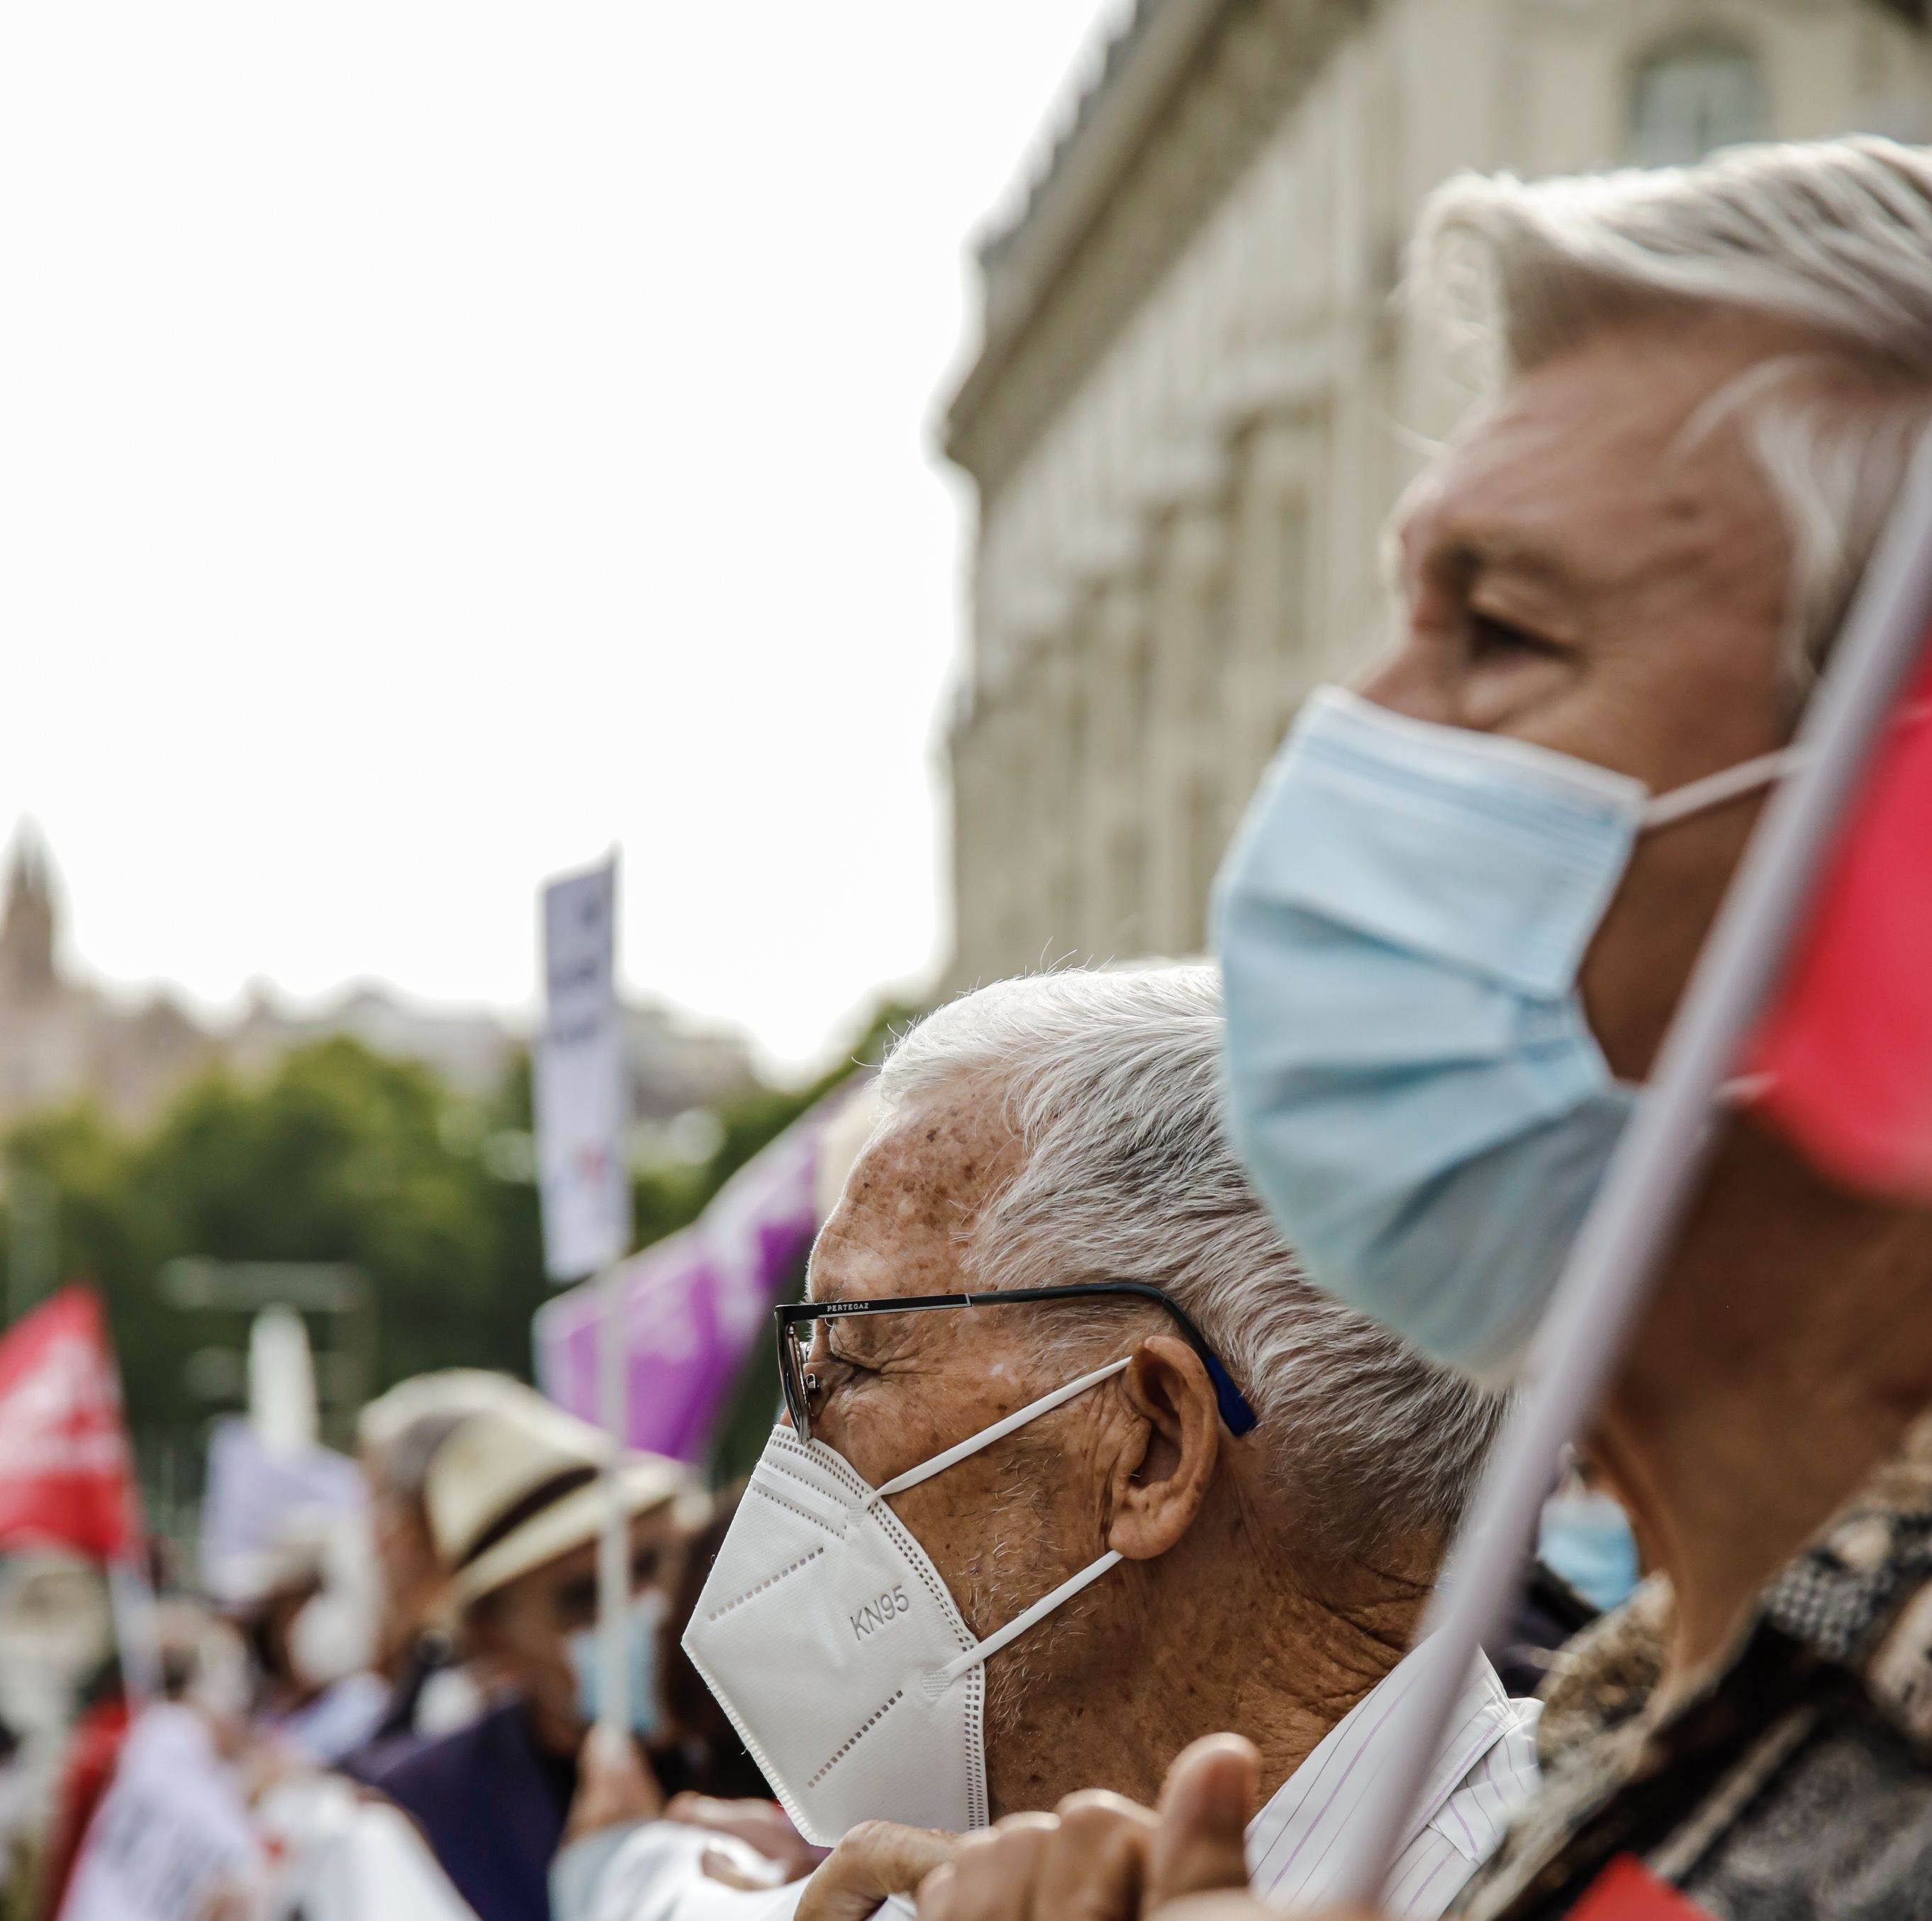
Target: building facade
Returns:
[[1196, 399]]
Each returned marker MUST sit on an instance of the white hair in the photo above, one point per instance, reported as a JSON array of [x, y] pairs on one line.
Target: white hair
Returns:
[[1833, 236], [1112, 1082]]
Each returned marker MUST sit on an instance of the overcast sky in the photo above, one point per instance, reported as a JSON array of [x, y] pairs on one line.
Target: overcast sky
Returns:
[[439, 441]]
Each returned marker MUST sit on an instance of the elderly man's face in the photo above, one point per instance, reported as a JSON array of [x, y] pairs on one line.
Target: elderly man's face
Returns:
[[1009, 1523], [1582, 573]]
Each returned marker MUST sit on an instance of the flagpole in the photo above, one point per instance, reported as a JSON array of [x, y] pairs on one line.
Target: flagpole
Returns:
[[1653, 1177], [613, 1546]]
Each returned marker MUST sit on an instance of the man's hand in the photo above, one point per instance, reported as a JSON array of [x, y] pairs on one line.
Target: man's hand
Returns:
[[877, 1858], [1102, 1858], [614, 1785]]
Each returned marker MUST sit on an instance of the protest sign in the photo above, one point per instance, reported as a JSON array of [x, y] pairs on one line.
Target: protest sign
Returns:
[[580, 1087], [171, 1830], [66, 1474], [258, 1497]]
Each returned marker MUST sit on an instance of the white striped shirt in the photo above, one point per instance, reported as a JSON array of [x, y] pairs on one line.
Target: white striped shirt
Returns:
[[1486, 1765]]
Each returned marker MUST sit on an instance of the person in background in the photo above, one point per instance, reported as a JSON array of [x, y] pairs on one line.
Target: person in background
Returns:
[[1234, 1495], [87, 1772], [515, 1507], [430, 1693], [698, 1751], [1622, 578]]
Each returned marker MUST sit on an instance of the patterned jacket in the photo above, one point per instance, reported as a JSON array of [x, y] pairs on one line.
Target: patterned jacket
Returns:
[[1795, 1781]]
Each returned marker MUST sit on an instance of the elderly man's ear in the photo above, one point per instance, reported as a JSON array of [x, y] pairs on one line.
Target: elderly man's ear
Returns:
[[1162, 1476]]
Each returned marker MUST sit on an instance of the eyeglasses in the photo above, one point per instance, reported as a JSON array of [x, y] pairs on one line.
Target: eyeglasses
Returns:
[[797, 1323]]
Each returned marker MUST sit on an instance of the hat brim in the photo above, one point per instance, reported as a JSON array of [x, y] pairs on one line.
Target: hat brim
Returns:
[[643, 1486]]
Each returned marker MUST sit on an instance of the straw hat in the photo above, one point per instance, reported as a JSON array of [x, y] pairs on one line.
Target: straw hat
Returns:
[[517, 1484]]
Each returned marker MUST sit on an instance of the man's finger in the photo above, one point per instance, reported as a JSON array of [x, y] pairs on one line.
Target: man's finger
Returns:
[[875, 1859], [936, 1894], [994, 1871], [1095, 1868], [1205, 1806]]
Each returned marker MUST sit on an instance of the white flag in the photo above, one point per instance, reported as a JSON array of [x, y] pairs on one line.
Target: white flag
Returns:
[[581, 1091]]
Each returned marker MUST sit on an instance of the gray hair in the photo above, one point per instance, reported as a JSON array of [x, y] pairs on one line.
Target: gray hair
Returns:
[[1112, 1082], [1834, 236]]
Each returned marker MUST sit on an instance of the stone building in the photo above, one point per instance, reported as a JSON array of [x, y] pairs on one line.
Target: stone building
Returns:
[[1195, 399], [61, 1037]]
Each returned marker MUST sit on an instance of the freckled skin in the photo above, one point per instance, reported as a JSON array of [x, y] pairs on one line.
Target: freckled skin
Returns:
[[1214, 1620]]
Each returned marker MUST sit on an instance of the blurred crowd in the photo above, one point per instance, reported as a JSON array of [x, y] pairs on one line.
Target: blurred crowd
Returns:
[[415, 1635]]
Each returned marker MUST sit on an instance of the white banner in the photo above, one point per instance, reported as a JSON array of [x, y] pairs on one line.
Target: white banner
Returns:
[[581, 1086], [170, 1831]]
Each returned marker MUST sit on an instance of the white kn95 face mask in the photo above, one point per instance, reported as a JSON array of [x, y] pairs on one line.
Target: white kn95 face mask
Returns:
[[828, 1637]]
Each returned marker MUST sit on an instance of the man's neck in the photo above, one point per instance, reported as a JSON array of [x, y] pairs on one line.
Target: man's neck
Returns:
[[1221, 1640], [1323, 1656], [1787, 1348]]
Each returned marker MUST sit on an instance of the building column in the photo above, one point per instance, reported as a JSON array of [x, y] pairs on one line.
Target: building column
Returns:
[[1190, 653]]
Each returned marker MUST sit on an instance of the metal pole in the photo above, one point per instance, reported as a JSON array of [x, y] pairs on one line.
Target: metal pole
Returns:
[[1654, 1173], [613, 1547]]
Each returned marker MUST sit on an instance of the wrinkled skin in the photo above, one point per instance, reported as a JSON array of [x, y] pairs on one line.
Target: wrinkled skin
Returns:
[[1139, 1463]]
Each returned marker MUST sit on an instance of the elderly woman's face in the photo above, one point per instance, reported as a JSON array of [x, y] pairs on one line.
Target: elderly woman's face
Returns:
[[1590, 570]]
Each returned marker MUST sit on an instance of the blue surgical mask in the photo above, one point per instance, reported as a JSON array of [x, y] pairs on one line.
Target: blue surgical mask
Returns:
[[1411, 1079], [643, 1620], [1586, 1537]]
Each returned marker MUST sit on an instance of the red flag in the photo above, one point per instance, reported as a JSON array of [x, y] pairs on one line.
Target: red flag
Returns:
[[66, 1471], [1628, 1891], [1847, 1048]]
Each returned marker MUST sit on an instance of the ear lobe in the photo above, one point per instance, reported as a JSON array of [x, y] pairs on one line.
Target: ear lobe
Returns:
[[1159, 1486]]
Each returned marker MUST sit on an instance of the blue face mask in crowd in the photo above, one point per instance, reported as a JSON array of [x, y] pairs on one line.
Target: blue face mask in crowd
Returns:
[[1412, 1082], [1586, 1537], [643, 1620]]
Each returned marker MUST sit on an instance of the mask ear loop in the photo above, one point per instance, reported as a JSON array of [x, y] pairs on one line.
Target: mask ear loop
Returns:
[[938, 1683], [1696, 796], [987, 1437]]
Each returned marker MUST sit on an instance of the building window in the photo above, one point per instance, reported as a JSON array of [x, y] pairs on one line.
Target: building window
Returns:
[[1692, 98]]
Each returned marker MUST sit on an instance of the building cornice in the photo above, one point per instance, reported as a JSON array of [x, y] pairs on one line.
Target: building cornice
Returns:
[[1191, 90], [1144, 65]]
